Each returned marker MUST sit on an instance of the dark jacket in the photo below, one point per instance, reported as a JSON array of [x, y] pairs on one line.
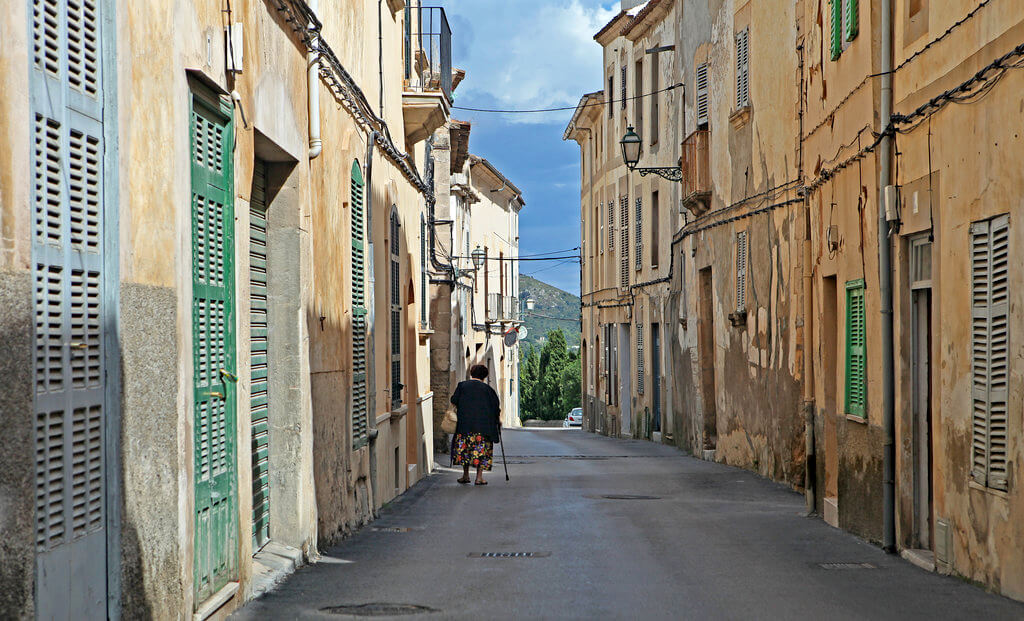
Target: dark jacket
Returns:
[[478, 408]]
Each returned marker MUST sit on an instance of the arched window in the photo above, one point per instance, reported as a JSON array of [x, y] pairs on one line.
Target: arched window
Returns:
[[357, 269], [394, 246]]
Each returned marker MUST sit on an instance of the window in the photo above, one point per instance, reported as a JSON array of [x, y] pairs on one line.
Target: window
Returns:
[[990, 245], [639, 234], [843, 25], [396, 313], [703, 109], [741, 270], [622, 87], [624, 242], [611, 91], [655, 228], [856, 369], [638, 88], [640, 358], [743, 68], [654, 99]]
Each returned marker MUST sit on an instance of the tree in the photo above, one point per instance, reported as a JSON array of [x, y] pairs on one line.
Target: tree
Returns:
[[570, 380], [553, 357], [529, 370]]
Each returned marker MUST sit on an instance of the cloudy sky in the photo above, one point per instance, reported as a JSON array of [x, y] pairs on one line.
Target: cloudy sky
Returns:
[[525, 54]]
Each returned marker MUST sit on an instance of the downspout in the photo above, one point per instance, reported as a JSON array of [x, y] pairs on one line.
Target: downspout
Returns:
[[313, 87], [810, 451], [380, 56], [371, 360], [885, 287]]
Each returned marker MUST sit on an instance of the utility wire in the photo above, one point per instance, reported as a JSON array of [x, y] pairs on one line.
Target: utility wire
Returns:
[[602, 103]]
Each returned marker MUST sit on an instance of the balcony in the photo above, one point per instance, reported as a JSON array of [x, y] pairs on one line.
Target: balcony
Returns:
[[502, 308], [695, 164], [427, 88]]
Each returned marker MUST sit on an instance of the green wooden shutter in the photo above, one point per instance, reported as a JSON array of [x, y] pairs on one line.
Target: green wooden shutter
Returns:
[[396, 312], [856, 342], [213, 346], [67, 183], [835, 28], [989, 350], [259, 352], [850, 17], [359, 397]]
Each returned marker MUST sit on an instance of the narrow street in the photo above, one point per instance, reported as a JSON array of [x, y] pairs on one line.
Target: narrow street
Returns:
[[713, 542]]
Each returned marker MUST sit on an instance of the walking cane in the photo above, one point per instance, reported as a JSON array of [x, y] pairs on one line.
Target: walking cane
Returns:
[[503, 453]]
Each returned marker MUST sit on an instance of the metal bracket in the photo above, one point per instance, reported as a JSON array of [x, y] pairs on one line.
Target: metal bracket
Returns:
[[672, 173]]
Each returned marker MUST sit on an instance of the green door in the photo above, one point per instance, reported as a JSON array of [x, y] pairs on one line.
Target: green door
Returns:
[[258, 337], [213, 347]]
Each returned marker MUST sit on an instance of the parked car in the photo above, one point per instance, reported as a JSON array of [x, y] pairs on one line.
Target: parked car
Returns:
[[574, 418]]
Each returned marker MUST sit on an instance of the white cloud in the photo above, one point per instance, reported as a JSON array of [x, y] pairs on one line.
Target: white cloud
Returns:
[[527, 53]]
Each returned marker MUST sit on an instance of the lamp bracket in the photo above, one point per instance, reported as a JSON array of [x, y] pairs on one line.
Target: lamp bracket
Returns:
[[672, 173]]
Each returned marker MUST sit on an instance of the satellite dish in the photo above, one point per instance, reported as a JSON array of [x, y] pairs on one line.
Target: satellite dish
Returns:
[[522, 332], [511, 336]]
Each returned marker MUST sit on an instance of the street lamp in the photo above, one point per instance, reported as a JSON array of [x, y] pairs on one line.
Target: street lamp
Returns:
[[631, 146], [479, 256], [530, 303]]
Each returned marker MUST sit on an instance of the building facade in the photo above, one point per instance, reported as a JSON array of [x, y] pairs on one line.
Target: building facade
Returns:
[[213, 274], [844, 185]]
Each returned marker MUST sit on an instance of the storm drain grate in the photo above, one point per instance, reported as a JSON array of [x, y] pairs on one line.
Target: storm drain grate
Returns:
[[396, 529], [378, 610], [624, 497], [846, 566], [509, 554]]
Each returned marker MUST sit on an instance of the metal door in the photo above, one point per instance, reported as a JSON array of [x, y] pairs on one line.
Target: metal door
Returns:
[[259, 394], [68, 239], [213, 346]]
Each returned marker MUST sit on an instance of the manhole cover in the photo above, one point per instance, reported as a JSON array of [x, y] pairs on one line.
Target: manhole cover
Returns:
[[624, 497], [509, 554], [846, 566], [378, 610]]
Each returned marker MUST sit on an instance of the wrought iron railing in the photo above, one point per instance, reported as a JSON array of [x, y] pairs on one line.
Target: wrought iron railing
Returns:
[[428, 49], [696, 165]]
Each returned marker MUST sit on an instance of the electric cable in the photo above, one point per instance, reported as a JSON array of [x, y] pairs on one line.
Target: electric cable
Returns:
[[560, 109]]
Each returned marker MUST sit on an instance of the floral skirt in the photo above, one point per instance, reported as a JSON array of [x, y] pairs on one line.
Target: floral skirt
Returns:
[[474, 450]]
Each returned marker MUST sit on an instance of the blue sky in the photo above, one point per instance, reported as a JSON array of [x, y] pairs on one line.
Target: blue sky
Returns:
[[526, 54]]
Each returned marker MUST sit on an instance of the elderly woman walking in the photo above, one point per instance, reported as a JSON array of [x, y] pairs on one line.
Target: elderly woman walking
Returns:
[[479, 425]]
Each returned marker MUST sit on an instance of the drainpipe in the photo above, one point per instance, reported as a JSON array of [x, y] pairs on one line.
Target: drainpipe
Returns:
[[885, 288], [313, 88]]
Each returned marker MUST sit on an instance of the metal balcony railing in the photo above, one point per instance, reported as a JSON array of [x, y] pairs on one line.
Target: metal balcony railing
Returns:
[[428, 49], [696, 167]]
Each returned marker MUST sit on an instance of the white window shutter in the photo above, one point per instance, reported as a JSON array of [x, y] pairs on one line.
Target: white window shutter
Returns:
[[638, 236], [702, 95], [741, 270]]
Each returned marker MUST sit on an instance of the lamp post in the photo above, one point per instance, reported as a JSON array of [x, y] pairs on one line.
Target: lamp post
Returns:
[[632, 145], [478, 256]]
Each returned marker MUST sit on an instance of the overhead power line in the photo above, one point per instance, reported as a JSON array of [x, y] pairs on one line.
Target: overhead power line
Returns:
[[602, 103]]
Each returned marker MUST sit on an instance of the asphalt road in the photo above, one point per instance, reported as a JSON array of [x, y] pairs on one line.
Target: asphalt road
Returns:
[[715, 543]]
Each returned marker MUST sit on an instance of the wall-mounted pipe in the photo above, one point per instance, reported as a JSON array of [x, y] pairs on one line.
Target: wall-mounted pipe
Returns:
[[313, 87]]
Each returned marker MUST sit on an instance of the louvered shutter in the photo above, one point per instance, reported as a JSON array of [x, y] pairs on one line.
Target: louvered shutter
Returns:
[[741, 270], [259, 353], [989, 350], [743, 68], [640, 358], [424, 302], [835, 29], [67, 187], [703, 106], [624, 242], [396, 314], [638, 235], [359, 397], [611, 226], [850, 20], [856, 348], [622, 87]]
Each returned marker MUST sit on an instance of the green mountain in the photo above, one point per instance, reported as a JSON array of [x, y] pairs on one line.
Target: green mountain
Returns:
[[554, 307]]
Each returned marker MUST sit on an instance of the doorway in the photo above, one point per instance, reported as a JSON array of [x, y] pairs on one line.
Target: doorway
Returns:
[[706, 345], [625, 382], [656, 375], [259, 336], [829, 356], [921, 389]]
